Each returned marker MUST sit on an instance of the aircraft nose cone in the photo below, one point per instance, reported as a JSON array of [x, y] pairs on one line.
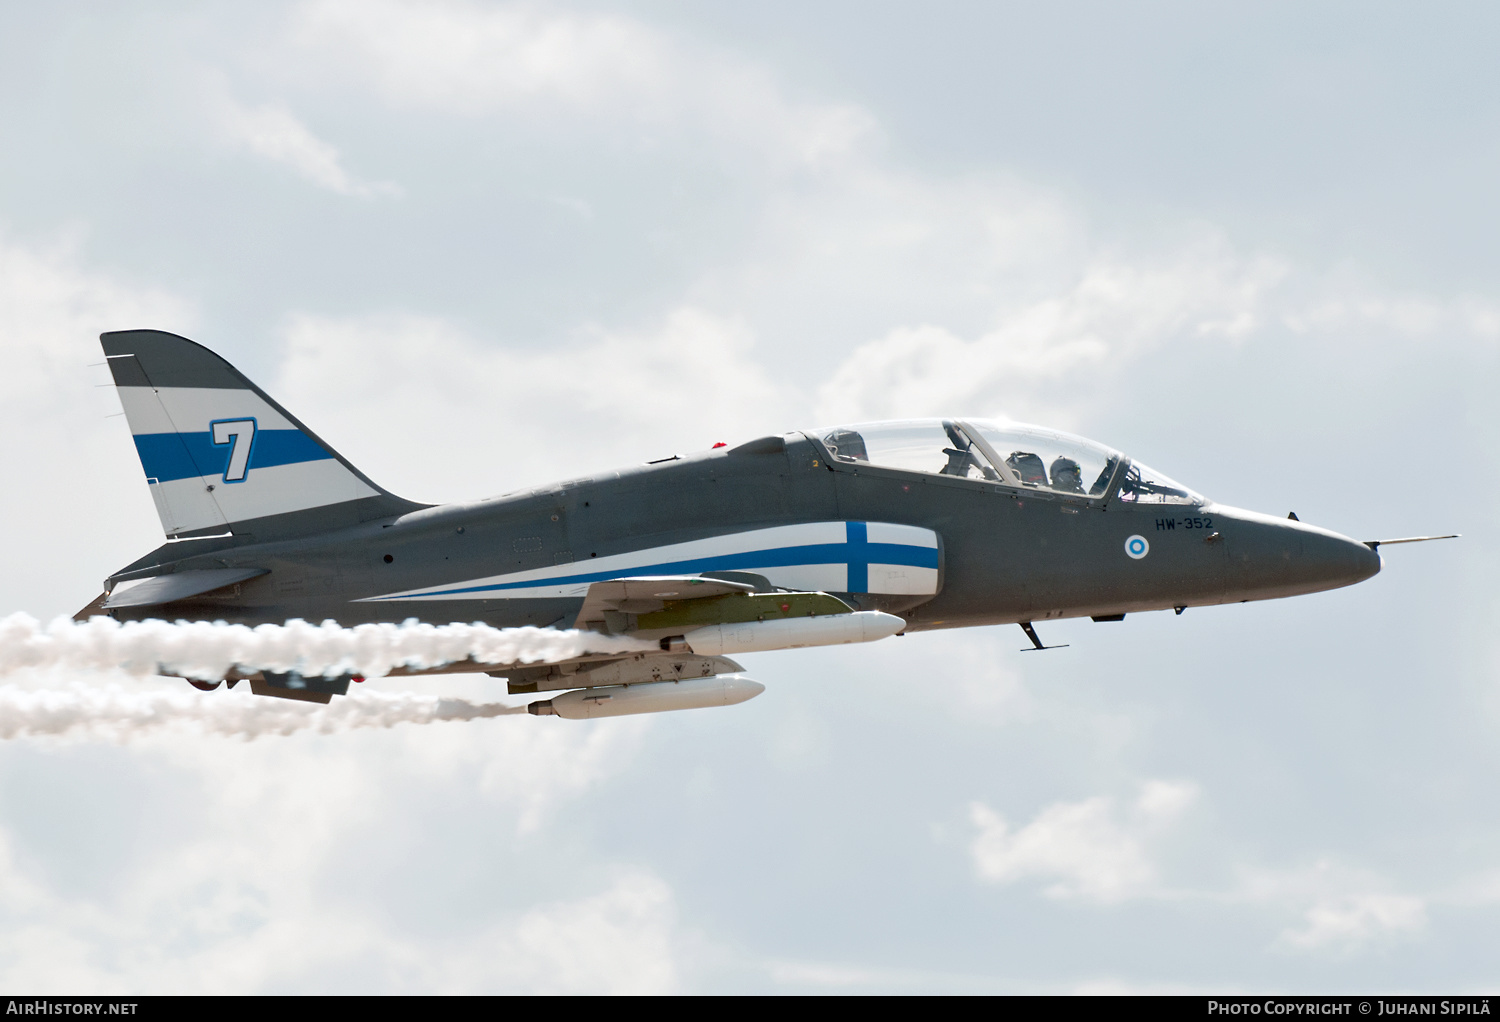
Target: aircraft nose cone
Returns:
[[1272, 557], [1339, 560]]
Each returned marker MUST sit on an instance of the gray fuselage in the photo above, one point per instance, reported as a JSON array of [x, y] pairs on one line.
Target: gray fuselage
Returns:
[[1007, 553]]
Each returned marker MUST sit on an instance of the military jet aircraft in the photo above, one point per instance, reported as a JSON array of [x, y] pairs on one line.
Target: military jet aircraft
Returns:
[[843, 534]]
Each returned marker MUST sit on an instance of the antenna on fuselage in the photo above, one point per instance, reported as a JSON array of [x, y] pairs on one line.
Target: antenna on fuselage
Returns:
[[1036, 643]]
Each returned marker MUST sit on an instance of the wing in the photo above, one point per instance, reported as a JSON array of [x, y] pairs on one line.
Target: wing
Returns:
[[608, 604], [663, 607], [658, 607], [634, 669]]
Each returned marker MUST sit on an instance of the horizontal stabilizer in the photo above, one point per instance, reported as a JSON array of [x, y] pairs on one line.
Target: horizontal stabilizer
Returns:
[[153, 592]]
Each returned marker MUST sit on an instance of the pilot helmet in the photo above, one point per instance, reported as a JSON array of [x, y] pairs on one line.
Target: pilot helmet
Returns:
[[1028, 467], [1066, 475]]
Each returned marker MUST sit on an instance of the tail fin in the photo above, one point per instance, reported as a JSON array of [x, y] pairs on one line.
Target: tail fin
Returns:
[[221, 456]]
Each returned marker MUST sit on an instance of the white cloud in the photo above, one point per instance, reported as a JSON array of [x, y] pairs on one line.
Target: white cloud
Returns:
[[52, 311], [85, 508], [471, 57], [1116, 312], [1410, 316], [423, 407], [274, 133], [435, 405], [1163, 801], [1358, 919], [617, 942], [551, 765], [963, 678], [1483, 889], [1102, 850], [252, 892], [1343, 908], [982, 295], [468, 59], [1095, 849]]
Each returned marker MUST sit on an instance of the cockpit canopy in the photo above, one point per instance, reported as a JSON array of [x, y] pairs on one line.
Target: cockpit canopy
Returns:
[[1006, 453]]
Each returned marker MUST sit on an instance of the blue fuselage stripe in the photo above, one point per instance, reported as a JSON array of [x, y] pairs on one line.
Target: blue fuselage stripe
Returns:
[[858, 534], [859, 559], [168, 456]]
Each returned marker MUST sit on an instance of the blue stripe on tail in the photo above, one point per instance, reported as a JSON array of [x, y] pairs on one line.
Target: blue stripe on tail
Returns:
[[168, 456]]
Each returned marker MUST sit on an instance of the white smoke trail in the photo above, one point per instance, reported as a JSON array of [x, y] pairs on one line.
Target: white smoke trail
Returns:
[[208, 650], [112, 712]]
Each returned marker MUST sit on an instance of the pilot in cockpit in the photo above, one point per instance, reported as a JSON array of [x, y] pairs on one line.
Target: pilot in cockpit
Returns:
[[1067, 477], [1028, 467]]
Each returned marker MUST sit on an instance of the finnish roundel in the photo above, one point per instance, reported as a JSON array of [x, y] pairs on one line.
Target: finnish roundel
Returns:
[[1137, 547]]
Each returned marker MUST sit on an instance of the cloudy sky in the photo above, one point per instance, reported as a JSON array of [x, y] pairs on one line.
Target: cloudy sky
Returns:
[[478, 246]]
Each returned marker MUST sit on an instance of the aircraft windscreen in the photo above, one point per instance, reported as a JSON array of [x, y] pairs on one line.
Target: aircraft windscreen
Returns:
[[1009, 453], [1048, 459], [915, 445], [1144, 485]]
